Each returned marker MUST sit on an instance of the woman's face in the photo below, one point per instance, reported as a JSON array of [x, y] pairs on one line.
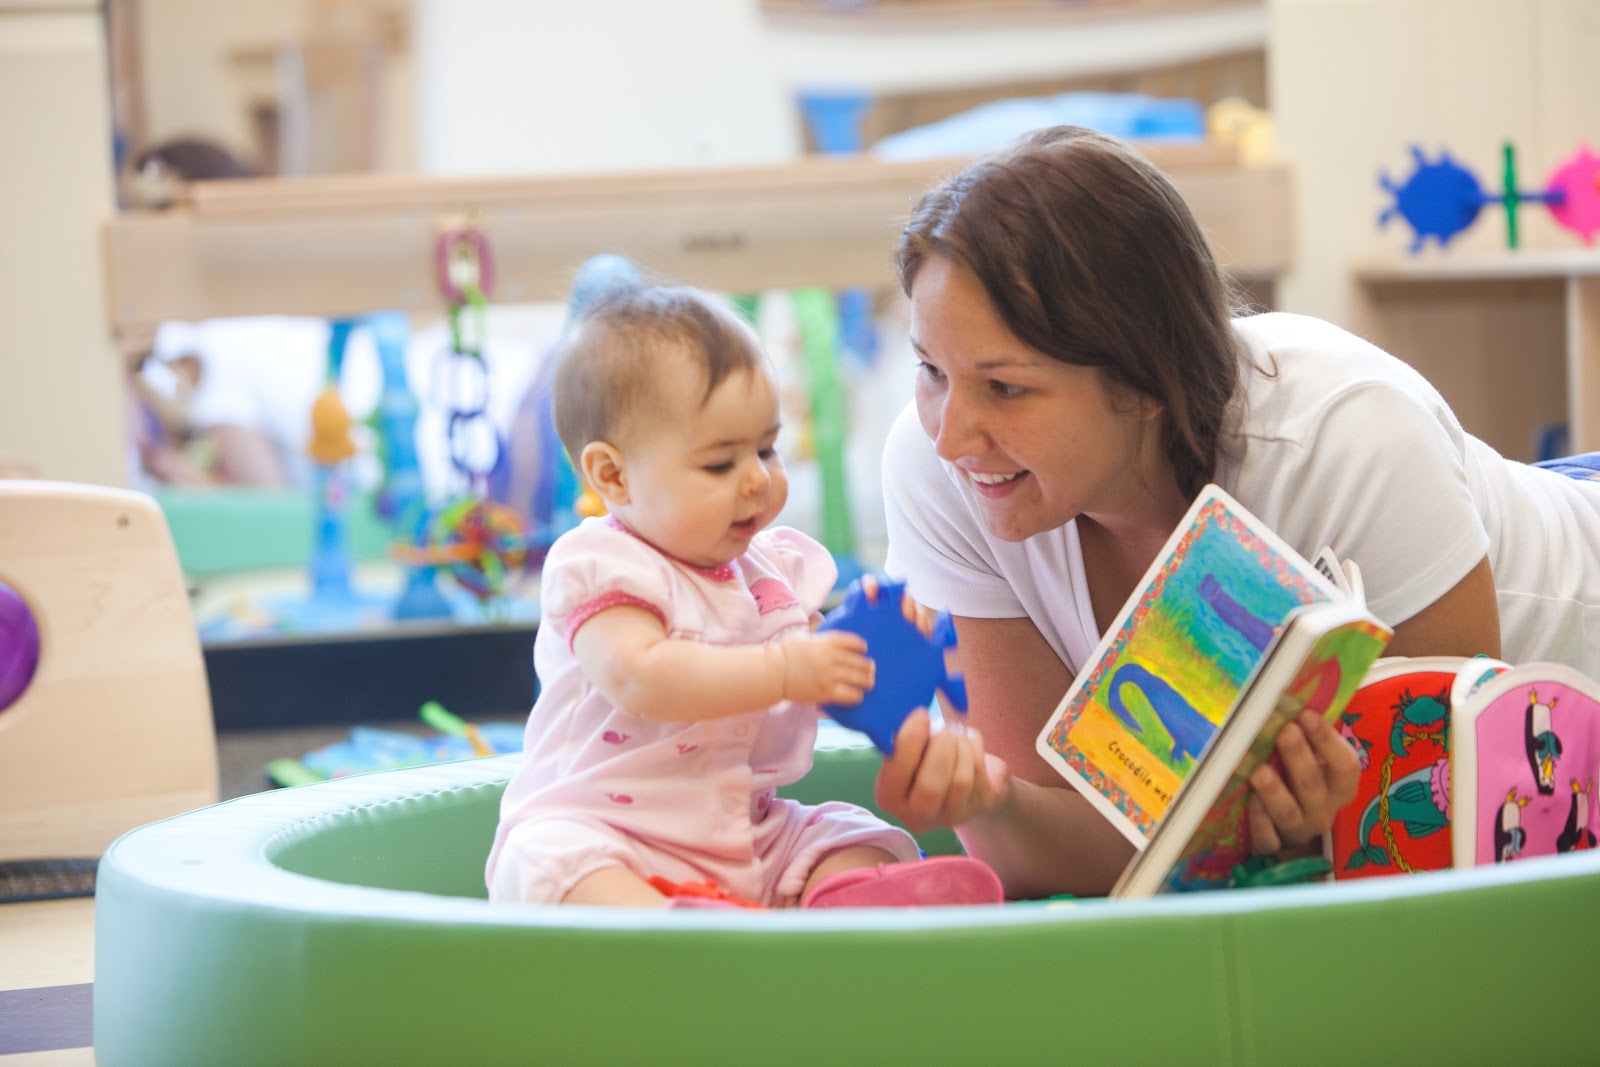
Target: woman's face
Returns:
[[1037, 441]]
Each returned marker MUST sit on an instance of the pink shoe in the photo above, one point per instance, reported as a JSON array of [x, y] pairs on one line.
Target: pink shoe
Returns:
[[937, 881]]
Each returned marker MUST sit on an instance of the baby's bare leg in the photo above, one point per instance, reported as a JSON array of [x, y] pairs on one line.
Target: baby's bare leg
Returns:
[[848, 859], [615, 887]]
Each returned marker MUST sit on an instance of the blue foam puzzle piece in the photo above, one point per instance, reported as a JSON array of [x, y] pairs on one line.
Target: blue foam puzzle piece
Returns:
[[910, 666]]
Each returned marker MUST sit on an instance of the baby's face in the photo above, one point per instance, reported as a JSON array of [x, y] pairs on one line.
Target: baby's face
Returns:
[[704, 479]]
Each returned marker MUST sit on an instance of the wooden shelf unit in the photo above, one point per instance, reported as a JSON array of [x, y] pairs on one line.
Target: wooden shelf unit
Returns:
[[344, 245], [1511, 339]]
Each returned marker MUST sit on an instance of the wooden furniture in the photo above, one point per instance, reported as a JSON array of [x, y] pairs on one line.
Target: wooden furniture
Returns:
[[1512, 339], [114, 728], [350, 244]]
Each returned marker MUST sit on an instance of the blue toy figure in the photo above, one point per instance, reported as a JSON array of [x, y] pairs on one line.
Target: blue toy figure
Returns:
[[910, 666], [401, 499]]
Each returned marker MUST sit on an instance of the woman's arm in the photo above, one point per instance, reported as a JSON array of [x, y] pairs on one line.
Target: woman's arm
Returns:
[[1010, 808], [1463, 622], [626, 653]]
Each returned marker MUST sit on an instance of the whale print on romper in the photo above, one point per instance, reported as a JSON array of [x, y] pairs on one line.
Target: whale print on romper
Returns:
[[772, 595]]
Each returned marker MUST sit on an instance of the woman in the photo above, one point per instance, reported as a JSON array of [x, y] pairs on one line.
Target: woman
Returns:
[[1080, 381]]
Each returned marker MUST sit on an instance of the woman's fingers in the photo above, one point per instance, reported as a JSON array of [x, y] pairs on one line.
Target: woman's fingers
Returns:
[[1341, 765], [1264, 839], [1319, 773], [900, 768], [938, 777]]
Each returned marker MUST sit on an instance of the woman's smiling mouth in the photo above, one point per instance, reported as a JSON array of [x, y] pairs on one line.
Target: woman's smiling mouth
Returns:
[[994, 484]]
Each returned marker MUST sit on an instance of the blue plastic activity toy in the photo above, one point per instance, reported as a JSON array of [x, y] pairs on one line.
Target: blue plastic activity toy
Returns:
[[372, 748], [910, 666]]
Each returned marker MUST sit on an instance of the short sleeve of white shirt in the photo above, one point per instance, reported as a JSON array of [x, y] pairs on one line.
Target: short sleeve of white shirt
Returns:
[[1347, 447]]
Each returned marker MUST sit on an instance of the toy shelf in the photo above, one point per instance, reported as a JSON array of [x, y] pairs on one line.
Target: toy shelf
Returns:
[[1516, 335], [353, 244]]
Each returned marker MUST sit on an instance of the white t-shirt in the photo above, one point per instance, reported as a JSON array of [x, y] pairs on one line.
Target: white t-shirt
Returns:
[[1344, 446]]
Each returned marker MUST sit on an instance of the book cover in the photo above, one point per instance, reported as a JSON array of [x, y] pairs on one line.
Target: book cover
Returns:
[[1398, 722], [1173, 664], [1318, 664], [1526, 757]]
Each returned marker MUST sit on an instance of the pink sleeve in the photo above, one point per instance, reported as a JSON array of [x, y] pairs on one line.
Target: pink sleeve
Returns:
[[805, 565], [595, 567]]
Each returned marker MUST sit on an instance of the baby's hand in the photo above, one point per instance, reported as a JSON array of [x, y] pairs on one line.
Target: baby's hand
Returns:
[[827, 668]]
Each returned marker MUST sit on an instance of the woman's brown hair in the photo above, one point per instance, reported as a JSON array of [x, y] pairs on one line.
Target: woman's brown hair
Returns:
[[1090, 256]]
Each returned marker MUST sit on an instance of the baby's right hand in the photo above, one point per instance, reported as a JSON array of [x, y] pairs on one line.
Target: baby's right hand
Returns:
[[831, 667]]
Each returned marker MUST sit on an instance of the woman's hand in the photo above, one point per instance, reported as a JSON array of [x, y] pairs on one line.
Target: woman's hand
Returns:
[[939, 777], [1291, 810], [919, 615]]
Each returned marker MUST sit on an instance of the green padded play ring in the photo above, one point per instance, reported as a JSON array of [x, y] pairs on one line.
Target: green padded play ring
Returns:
[[344, 923]]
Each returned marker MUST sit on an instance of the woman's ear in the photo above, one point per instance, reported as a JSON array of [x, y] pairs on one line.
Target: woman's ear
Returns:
[[602, 469]]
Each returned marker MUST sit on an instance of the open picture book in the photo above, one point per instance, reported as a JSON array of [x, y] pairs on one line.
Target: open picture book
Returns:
[[1230, 634], [1525, 761], [1398, 722]]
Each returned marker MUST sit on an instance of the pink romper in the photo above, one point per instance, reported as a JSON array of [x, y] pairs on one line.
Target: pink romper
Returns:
[[687, 801]]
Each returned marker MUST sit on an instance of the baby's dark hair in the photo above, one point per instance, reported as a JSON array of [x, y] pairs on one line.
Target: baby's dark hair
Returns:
[[604, 371]]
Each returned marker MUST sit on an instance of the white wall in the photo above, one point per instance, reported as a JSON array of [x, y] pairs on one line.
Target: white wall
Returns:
[[61, 401], [1355, 82], [542, 86], [549, 86]]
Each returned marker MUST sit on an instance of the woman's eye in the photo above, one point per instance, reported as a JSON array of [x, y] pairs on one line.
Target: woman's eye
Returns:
[[931, 371], [1005, 389]]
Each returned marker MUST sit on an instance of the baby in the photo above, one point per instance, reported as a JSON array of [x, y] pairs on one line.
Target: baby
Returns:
[[680, 674]]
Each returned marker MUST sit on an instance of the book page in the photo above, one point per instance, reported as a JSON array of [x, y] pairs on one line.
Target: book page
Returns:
[[1138, 716], [1317, 667], [1526, 753], [1329, 567]]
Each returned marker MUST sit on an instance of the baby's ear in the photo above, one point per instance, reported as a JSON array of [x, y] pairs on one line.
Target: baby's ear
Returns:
[[602, 469]]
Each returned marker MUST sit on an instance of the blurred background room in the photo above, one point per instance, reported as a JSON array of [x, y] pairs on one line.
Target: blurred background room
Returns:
[[293, 267]]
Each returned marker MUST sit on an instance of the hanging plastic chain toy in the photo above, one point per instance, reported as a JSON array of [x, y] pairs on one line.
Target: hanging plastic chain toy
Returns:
[[482, 544], [465, 273]]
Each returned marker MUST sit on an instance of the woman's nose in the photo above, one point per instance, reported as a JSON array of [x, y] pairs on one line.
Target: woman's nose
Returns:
[[957, 428]]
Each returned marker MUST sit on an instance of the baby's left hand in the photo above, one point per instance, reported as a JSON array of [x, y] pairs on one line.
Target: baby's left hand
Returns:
[[1321, 771]]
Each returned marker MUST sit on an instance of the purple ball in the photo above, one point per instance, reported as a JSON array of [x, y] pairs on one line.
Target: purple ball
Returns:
[[19, 645]]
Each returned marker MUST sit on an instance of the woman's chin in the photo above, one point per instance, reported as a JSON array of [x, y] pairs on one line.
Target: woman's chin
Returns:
[[1009, 528]]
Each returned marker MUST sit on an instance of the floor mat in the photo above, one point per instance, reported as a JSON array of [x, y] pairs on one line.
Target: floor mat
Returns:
[[46, 879]]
